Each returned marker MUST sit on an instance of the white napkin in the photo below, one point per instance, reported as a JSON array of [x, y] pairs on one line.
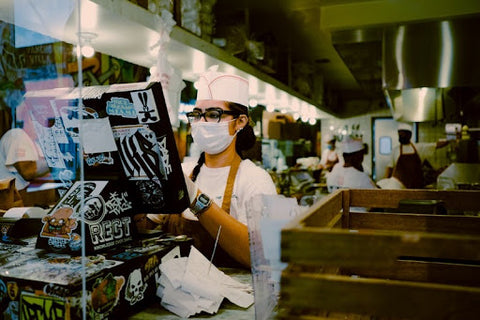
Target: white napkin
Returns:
[[191, 285]]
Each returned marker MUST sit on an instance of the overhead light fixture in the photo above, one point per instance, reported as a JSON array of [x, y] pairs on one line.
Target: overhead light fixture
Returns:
[[86, 40], [253, 85]]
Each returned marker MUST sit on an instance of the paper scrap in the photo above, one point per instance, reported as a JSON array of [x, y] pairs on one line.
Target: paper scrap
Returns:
[[97, 136], [192, 285]]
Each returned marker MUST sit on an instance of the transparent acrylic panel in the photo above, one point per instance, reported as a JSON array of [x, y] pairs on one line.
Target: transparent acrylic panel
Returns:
[[40, 149], [47, 91]]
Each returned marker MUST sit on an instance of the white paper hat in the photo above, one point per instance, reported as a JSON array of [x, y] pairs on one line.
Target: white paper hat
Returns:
[[350, 145], [213, 85], [404, 126]]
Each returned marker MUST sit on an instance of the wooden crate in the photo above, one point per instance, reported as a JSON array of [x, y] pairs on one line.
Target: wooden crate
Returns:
[[383, 265]]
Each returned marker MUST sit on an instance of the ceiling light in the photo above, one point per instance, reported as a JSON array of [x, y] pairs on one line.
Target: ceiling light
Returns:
[[253, 85], [295, 104], [87, 51], [86, 40]]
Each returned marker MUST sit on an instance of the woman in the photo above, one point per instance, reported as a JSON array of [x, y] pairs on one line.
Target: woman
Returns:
[[220, 184], [329, 156]]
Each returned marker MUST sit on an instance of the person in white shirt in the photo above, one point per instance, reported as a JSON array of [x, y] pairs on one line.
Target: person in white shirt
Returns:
[[408, 157], [329, 156], [221, 183], [350, 174], [20, 159]]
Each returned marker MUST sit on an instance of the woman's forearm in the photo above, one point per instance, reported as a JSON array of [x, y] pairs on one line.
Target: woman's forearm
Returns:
[[234, 237]]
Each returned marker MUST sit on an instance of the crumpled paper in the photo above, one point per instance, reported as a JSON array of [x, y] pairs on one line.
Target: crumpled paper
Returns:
[[188, 286]]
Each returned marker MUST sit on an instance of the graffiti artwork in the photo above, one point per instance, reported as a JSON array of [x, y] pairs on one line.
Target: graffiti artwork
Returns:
[[35, 307]]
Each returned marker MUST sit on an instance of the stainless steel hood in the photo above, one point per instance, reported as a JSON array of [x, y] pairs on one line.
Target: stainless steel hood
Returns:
[[419, 60], [434, 54], [416, 104]]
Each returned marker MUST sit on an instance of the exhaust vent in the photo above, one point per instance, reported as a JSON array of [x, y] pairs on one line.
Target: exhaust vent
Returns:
[[419, 60], [435, 54]]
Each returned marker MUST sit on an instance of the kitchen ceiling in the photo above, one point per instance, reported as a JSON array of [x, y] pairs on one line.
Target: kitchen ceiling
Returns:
[[328, 50], [332, 46]]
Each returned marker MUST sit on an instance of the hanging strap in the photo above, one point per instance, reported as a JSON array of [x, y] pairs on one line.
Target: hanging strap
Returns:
[[227, 195]]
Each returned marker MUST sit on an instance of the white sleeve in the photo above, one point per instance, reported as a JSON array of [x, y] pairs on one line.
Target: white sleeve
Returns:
[[252, 181], [19, 147], [426, 149]]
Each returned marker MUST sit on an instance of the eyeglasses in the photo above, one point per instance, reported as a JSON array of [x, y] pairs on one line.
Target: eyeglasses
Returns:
[[210, 115]]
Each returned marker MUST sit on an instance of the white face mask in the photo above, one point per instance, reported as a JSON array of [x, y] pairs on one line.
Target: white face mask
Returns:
[[210, 137]]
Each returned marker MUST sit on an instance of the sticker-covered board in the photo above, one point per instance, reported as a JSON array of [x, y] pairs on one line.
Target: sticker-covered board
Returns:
[[130, 140], [107, 211]]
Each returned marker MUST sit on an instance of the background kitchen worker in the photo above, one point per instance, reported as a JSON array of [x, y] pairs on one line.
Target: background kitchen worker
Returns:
[[350, 174], [221, 183], [407, 158], [20, 159], [329, 155]]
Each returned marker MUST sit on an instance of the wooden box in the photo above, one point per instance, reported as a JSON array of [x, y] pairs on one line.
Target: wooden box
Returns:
[[384, 264]]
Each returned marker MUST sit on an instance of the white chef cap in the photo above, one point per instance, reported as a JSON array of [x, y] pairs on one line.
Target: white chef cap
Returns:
[[213, 85], [350, 144], [404, 126]]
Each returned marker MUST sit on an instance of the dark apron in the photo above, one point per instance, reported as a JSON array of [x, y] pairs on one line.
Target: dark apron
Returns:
[[202, 240], [409, 169]]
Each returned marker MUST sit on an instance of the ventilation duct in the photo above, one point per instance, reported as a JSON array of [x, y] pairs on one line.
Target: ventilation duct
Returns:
[[420, 59]]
